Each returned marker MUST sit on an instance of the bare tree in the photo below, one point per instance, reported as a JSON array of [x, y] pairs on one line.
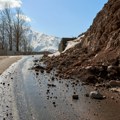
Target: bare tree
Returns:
[[20, 28], [23, 44], [8, 16], [2, 30], [13, 29], [29, 48]]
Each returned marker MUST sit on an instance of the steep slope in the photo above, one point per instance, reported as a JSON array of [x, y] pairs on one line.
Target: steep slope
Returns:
[[97, 56], [42, 42]]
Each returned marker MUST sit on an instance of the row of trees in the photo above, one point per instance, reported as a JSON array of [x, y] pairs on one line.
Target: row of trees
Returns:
[[13, 30]]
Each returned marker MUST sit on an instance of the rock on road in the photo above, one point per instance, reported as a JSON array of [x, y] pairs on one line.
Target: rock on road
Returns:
[[30, 95]]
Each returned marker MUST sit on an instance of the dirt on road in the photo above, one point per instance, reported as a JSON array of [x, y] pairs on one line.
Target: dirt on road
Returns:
[[30, 94], [6, 61]]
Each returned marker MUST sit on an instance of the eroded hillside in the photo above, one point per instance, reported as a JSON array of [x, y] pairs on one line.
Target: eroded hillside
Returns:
[[97, 56]]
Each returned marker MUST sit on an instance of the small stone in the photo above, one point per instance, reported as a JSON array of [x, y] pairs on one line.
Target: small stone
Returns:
[[77, 81], [37, 73], [75, 97], [95, 88], [67, 85], [48, 90], [114, 83], [55, 97], [53, 103], [42, 71], [51, 85], [84, 83], [3, 83], [112, 98], [115, 90], [96, 95], [52, 78], [10, 113], [86, 95]]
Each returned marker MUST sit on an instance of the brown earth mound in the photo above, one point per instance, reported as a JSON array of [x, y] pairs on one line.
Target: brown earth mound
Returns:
[[97, 57]]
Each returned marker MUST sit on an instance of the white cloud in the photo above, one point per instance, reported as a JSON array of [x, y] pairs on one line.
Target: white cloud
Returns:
[[11, 3], [24, 17]]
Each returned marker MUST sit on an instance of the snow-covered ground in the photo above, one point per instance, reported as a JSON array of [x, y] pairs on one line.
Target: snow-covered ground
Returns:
[[54, 54]]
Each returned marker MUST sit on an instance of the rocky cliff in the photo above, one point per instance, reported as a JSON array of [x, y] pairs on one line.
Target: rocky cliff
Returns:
[[97, 56]]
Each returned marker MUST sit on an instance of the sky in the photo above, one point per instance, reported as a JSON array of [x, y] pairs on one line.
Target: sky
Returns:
[[61, 18]]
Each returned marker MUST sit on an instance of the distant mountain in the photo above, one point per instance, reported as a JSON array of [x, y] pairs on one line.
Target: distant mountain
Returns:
[[42, 42]]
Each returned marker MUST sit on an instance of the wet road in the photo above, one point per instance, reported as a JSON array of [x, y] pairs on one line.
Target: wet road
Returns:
[[42, 96], [36, 100]]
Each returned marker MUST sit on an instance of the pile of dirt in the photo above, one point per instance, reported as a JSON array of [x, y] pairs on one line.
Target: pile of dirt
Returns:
[[97, 57]]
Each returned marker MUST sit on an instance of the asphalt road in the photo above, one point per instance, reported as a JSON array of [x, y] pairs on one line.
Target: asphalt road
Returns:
[[42, 96]]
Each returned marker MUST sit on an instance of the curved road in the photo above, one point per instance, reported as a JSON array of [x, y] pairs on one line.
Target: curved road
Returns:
[[42, 96]]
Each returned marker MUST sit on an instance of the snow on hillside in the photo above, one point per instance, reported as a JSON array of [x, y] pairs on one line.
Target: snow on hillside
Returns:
[[42, 42], [72, 43]]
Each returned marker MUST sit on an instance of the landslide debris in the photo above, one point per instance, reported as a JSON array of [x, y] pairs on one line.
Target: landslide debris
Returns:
[[97, 57]]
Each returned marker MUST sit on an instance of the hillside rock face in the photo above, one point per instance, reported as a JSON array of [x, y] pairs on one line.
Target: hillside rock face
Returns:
[[97, 56], [104, 34]]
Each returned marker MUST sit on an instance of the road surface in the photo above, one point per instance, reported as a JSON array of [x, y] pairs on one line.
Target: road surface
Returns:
[[6, 61], [32, 95]]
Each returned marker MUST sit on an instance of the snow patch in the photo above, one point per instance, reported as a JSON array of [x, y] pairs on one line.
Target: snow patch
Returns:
[[54, 54], [72, 43]]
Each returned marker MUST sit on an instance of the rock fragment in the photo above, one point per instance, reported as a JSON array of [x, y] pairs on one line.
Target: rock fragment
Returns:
[[96, 95], [114, 83], [76, 97]]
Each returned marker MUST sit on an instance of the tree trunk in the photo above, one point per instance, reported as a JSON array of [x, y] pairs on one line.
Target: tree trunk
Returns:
[[17, 42], [10, 42]]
